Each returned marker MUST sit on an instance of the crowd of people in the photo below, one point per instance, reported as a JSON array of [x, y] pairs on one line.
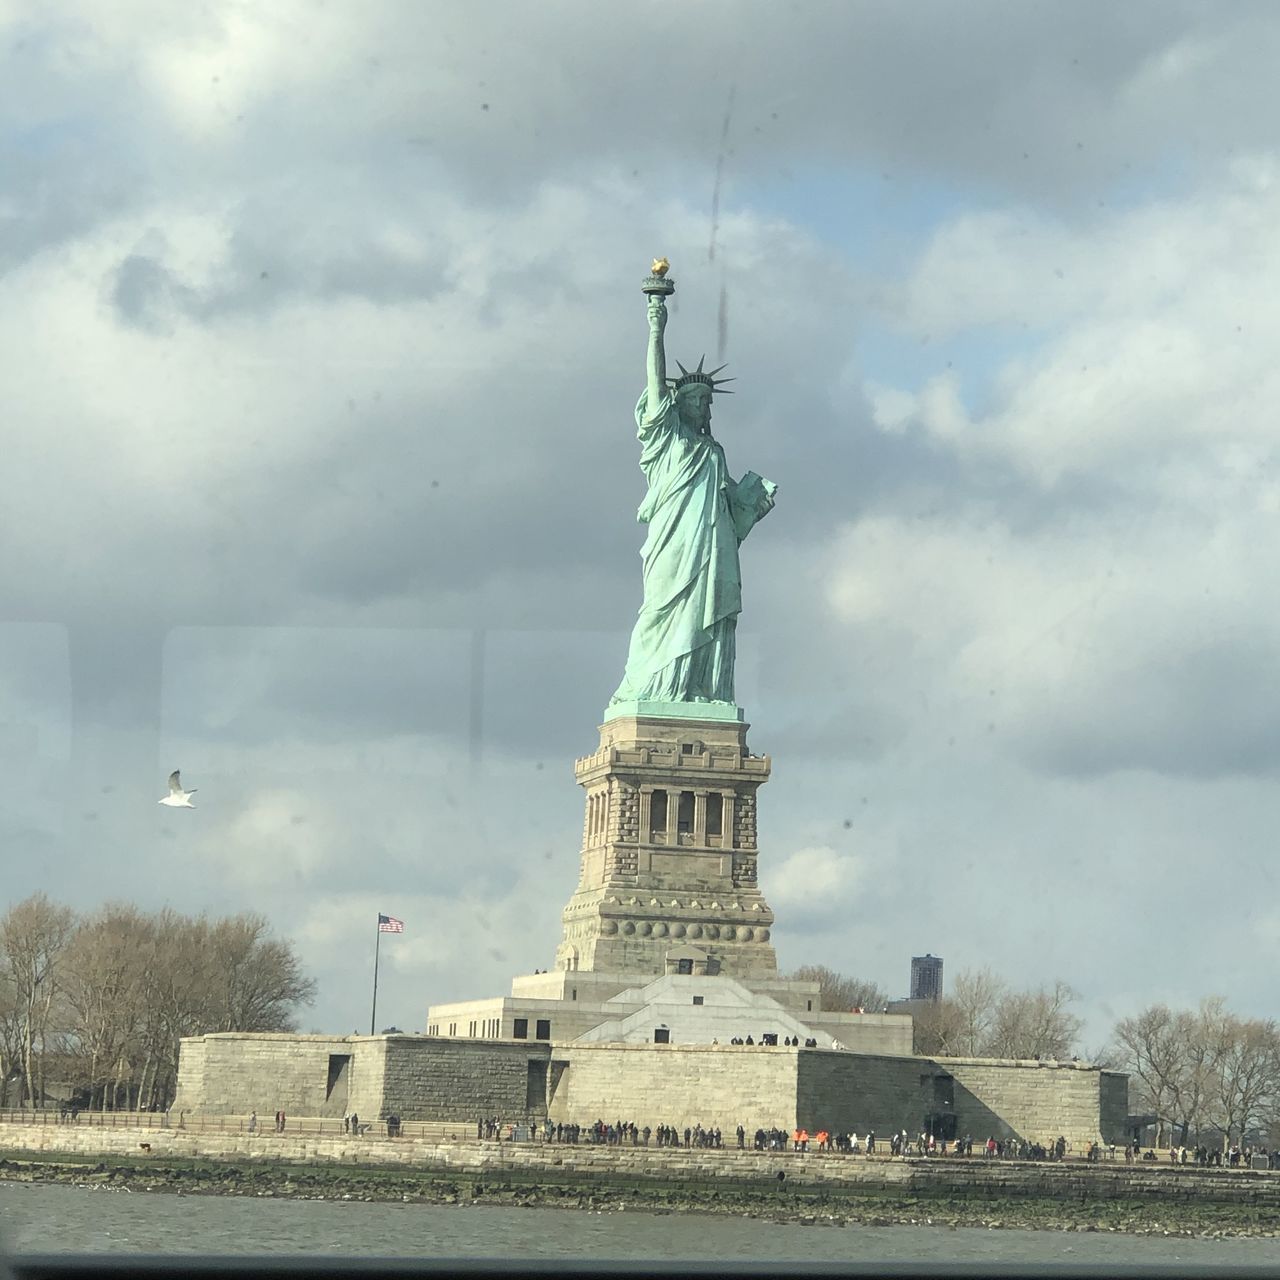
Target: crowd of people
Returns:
[[825, 1140], [1234, 1157], [626, 1133], [701, 1137], [621, 1133], [771, 1039]]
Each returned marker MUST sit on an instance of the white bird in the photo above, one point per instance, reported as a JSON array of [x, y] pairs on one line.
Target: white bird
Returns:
[[177, 798]]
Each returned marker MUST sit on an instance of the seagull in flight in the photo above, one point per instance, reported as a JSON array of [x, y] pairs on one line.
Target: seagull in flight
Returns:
[[177, 798]]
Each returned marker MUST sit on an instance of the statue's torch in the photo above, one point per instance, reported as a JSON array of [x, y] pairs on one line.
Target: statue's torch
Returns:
[[658, 285]]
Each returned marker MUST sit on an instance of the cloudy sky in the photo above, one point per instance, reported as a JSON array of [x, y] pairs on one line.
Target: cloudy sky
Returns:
[[322, 331]]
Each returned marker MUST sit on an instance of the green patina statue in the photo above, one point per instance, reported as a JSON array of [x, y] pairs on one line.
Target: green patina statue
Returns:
[[682, 649]]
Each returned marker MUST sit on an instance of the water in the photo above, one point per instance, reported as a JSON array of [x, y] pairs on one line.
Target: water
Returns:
[[60, 1219]]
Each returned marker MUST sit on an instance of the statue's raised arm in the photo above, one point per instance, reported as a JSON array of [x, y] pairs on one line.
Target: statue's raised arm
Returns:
[[657, 362], [657, 288]]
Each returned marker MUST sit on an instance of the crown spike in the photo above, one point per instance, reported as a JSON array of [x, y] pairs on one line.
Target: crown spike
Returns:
[[701, 361], [702, 377]]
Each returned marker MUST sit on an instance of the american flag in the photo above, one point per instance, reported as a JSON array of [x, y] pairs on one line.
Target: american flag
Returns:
[[389, 924]]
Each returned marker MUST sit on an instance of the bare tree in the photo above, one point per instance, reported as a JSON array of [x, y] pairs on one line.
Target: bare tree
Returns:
[[179, 998], [959, 1025], [938, 1028], [1152, 1050], [104, 982], [839, 992], [1106, 1057], [982, 1018], [1192, 1083], [1244, 1072], [1034, 1024], [1206, 1069], [115, 995], [216, 975], [977, 995], [258, 979], [10, 1033], [33, 937]]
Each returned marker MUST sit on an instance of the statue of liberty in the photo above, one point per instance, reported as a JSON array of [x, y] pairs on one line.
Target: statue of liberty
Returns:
[[682, 648]]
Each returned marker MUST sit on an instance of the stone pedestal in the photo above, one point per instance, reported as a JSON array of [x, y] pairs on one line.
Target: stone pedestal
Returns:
[[668, 880]]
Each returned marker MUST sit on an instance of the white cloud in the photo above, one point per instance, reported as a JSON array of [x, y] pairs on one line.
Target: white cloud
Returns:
[[809, 878], [1156, 331], [1090, 643], [273, 842], [206, 77]]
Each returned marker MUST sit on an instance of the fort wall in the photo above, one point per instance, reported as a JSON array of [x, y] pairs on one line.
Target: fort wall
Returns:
[[415, 1077], [234, 1072], [983, 1098], [718, 1086], [429, 1078]]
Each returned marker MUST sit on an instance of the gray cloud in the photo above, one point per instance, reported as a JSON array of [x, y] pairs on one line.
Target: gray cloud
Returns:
[[323, 336], [1204, 712]]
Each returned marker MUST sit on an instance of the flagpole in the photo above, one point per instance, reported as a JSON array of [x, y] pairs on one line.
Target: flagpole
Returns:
[[377, 946]]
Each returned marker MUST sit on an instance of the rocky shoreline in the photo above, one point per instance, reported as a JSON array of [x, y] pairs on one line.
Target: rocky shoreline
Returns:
[[830, 1204]]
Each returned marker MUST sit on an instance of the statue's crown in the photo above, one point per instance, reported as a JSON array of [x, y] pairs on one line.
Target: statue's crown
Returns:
[[708, 378]]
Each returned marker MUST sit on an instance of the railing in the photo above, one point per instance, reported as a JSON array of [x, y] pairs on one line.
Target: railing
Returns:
[[265, 1126], [46, 1116], [464, 1131]]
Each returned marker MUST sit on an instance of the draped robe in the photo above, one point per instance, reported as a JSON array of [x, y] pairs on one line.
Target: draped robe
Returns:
[[682, 647]]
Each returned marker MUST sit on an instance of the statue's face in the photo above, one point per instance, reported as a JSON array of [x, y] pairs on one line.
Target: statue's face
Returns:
[[695, 407]]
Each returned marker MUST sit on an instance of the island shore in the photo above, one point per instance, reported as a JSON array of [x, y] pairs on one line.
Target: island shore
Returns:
[[1195, 1203]]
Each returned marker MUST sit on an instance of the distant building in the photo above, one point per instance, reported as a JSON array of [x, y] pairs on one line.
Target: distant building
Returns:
[[926, 977]]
